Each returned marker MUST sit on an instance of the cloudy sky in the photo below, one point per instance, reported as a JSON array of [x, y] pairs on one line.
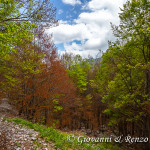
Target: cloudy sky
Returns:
[[84, 25]]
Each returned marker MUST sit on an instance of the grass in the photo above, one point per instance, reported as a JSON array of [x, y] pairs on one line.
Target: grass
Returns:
[[37, 143], [18, 144], [30, 134], [61, 139]]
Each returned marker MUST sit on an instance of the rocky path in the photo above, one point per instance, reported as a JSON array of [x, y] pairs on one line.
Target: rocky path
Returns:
[[14, 137], [6, 108]]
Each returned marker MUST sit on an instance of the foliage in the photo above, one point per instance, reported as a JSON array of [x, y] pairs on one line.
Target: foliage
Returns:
[[78, 89], [60, 139], [18, 21], [127, 92], [78, 69], [41, 11]]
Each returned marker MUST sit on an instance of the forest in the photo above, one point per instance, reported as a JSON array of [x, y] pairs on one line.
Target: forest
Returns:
[[106, 93]]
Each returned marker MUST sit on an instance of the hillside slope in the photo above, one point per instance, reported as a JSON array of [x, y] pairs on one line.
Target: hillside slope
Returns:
[[19, 134], [16, 137]]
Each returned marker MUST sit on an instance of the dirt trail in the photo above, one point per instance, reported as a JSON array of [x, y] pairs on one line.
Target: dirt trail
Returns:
[[6, 108], [15, 137]]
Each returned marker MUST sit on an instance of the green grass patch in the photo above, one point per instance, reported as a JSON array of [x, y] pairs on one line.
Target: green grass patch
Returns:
[[61, 140]]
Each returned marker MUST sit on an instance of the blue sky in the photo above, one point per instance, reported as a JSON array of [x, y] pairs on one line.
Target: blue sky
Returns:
[[67, 11], [84, 25]]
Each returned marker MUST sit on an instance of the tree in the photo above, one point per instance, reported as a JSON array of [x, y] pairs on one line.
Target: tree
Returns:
[[19, 20], [128, 91], [89, 109], [34, 11]]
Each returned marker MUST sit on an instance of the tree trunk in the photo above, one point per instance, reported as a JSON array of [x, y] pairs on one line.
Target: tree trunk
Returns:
[[146, 130]]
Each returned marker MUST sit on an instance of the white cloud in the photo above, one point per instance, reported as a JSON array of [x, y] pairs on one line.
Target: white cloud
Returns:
[[112, 6], [60, 11], [73, 47], [100, 18], [71, 2], [91, 28], [77, 49], [68, 33], [63, 22]]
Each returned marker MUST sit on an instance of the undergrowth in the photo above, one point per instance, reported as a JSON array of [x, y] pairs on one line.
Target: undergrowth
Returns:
[[60, 139]]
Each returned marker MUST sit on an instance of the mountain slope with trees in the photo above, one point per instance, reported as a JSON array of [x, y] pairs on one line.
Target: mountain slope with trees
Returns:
[[110, 95]]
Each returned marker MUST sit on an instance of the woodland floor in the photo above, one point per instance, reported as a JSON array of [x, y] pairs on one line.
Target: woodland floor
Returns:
[[15, 137], [18, 137]]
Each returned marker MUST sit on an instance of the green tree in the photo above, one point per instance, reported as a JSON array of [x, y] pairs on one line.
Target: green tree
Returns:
[[78, 73], [18, 22], [125, 66], [35, 11]]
